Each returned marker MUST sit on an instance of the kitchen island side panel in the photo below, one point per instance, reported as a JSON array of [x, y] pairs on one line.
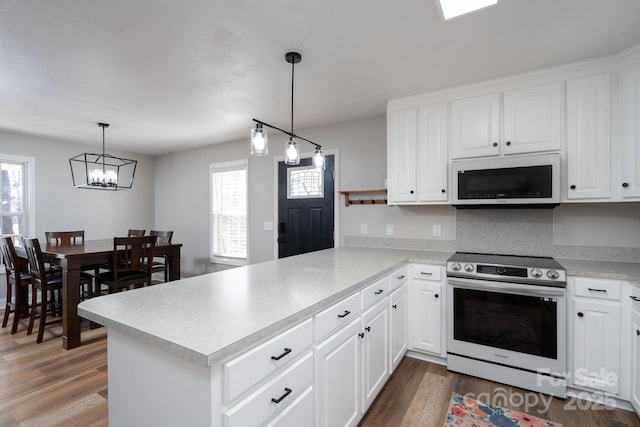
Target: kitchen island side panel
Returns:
[[149, 387]]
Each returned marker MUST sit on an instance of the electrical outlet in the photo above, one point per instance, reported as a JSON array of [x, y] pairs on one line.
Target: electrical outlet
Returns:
[[389, 229], [363, 228], [437, 230]]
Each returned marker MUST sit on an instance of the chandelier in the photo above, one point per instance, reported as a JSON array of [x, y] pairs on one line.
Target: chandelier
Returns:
[[102, 171]]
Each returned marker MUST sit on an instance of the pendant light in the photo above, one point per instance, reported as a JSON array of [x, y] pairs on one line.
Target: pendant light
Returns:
[[102, 171], [292, 148]]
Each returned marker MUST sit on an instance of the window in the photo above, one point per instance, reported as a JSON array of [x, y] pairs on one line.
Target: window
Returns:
[[305, 182], [16, 195], [229, 212]]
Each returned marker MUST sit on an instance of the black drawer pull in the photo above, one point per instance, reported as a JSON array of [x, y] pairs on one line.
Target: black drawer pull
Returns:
[[286, 351], [580, 314], [635, 298], [361, 334], [287, 392], [345, 314], [401, 277], [368, 329], [597, 290], [379, 291], [395, 306], [426, 273], [637, 332]]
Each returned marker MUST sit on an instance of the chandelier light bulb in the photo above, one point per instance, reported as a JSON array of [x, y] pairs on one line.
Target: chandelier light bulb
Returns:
[[292, 156], [259, 145], [318, 159]]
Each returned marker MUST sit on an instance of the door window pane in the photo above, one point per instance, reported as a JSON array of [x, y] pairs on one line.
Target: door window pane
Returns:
[[305, 182]]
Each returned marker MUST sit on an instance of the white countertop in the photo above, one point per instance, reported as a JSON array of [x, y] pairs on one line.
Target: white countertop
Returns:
[[209, 317], [602, 269]]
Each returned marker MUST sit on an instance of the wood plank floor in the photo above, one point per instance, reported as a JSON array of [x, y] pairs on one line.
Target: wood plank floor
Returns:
[[419, 392], [44, 385]]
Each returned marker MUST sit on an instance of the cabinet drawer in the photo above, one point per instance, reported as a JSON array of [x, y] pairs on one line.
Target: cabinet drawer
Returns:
[[254, 365], [375, 292], [398, 278], [596, 288], [285, 388], [337, 315], [426, 272], [299, 413]]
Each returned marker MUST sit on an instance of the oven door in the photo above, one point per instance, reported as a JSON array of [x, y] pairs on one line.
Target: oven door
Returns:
[[516, 325]]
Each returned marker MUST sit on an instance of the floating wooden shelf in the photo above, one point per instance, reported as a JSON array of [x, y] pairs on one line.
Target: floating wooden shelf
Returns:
[[364, 197]]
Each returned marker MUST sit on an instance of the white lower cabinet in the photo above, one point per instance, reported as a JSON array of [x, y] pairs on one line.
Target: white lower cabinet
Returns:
[[426, 310], [635, 357], [375, 351], [595, 321], [337, 378], [398, 325]]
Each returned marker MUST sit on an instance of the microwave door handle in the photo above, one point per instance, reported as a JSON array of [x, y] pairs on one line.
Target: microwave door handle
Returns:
[[505, 288]]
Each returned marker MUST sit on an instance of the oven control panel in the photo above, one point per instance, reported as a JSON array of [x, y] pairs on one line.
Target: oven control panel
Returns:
[[534, 275]]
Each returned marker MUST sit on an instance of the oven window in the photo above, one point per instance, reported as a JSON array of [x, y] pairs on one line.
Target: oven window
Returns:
[[525, 324]]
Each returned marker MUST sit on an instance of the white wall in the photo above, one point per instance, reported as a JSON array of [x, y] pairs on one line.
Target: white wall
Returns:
[[182, 198], [59, 206]]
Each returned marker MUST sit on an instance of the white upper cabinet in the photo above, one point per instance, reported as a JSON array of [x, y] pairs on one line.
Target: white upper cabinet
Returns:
[[588, 159], [630, 165], [433, 155], [417, 155], [475, 127], [401, 156], [532, 119]]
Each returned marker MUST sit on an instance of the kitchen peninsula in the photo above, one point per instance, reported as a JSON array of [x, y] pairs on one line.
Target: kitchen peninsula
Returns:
[[170, 346]]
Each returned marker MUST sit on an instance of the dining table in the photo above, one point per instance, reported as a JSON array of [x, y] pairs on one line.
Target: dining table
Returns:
[[73, 258]]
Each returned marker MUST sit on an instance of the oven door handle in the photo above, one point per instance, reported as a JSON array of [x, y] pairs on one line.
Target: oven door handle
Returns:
[[503, 287]]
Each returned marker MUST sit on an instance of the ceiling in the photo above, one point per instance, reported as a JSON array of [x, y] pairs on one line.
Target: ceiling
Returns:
[[170, 75]]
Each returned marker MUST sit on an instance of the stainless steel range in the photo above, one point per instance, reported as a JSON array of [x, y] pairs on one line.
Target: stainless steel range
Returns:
[[506, 320]]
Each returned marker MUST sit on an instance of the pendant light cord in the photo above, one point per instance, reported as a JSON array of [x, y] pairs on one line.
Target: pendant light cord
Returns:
[[293, 65]]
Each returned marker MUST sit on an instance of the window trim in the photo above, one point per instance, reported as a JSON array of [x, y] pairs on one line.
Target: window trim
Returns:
[[30, 176], [222, 167]]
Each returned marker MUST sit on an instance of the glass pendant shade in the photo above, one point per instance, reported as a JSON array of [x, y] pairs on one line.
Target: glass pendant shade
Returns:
[[259, 141], [318, 159], [292, 152]]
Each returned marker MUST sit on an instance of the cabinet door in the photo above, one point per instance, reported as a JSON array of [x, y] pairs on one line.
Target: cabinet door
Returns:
[[401, 156], [596, 350], [532, 119], [635, 360], [475, 127], [630, 182], [337, 378], [589, 138], [375, 351], [398, 316], [433, 155], [426, 309]]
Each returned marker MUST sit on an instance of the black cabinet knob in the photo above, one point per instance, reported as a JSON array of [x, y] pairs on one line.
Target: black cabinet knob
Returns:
[[411, 191], [573, 187], [436, 296], [508, 142], [495, 144], [580, 314], [625, 184], [395, 306], [443, 191], [637, 332], [361, 334]]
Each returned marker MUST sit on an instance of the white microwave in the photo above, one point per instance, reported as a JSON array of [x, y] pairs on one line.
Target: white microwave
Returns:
[[510, 181]]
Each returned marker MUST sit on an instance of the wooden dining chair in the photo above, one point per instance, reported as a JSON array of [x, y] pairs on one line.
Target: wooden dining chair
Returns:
[[18, 282], [160, 263], [45, 282], [132, 263], [136, 233], [76, 237]]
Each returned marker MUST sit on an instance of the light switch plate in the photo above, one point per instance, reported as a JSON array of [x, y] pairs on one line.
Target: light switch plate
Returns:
[[389, 231], [268, 226], [363, 228]]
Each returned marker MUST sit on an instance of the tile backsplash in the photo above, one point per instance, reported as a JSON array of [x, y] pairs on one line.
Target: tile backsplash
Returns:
[[504, 231]]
